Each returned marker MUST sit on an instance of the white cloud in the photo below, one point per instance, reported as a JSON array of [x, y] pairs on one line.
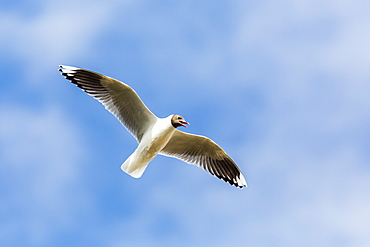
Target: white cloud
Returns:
[[309, 192], [61, 32], [307, 36], [41, 174]]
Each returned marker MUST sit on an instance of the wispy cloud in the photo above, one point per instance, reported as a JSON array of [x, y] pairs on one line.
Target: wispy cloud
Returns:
[[41, 174], [59, 32]]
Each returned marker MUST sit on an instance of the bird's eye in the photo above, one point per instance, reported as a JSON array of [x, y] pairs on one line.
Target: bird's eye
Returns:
[[179, 117]]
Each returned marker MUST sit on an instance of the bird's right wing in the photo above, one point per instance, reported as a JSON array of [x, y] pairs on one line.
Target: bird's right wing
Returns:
[[117, 97], [205, 153]]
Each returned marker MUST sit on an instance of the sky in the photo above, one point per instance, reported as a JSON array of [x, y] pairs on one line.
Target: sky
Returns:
[[283, 86]]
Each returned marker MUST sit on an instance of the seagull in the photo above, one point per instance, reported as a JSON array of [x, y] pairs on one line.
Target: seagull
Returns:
[[154, 135]]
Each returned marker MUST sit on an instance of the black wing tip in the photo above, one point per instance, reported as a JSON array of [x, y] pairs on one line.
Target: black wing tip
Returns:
[[235, 183], [227, 171], [233, 175], [88, 81], [60, 69], [67, 68], [69, 72], [241, 186]]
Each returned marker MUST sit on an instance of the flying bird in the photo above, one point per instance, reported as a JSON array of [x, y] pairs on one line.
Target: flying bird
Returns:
[[154, 135]]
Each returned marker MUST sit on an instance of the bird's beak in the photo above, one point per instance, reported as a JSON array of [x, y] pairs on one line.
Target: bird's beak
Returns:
[[183, 124]]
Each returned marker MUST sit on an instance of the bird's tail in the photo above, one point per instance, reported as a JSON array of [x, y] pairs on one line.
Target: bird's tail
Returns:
[[133, 167]]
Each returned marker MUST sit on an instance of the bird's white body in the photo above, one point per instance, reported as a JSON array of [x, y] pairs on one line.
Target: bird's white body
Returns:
[[153, 141]]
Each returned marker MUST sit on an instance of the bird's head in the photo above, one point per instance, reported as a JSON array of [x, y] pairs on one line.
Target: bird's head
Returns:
[[178, 121]]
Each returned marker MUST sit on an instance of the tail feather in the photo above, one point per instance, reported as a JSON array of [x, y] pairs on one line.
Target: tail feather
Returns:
[[133, 168]]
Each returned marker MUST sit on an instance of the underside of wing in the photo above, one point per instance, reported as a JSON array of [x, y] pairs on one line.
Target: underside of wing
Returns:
[[205, 153], [117, 97]]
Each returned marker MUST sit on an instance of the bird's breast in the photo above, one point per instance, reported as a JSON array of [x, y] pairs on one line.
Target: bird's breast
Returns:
[[155, 139]]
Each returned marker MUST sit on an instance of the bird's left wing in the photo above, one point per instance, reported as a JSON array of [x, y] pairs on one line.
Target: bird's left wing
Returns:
[[205, 153]]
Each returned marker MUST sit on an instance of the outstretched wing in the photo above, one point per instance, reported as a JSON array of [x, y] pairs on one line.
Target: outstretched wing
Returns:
[[205, 153], [117, 97]]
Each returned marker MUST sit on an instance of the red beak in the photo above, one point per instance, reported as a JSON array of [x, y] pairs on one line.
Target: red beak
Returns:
[[183, 124]]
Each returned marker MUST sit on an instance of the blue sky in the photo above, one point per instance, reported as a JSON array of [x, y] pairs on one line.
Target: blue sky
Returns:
[[282, 86]]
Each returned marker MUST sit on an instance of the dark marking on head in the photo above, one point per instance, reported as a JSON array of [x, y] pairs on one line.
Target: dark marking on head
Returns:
[[178, 121]]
